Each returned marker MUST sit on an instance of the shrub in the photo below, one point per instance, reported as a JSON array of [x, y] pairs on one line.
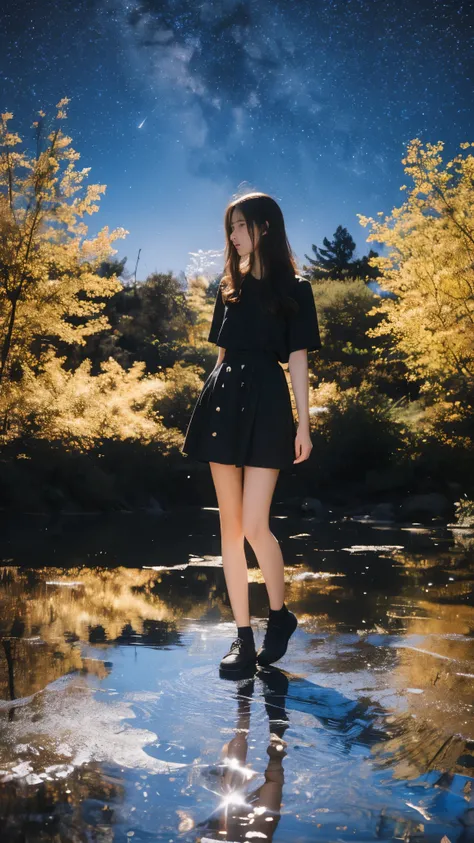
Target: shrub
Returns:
[[182, 385], [353, 432]]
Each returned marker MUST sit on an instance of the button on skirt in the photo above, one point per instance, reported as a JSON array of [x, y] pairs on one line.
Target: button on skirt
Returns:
[[243, 415]]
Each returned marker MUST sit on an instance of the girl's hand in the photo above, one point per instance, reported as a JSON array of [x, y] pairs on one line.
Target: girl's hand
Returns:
[[303, 444]]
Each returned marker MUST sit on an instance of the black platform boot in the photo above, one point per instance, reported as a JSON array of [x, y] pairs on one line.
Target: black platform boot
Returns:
[[242, 654], [281, 626]]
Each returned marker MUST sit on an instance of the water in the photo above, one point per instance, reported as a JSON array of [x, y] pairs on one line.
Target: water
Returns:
[[115, 724]]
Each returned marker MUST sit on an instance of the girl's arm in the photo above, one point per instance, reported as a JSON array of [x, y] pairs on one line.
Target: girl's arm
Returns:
[[298, 368]]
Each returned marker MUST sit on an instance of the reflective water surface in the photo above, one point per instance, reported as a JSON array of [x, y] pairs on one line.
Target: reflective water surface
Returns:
[[115, 724]]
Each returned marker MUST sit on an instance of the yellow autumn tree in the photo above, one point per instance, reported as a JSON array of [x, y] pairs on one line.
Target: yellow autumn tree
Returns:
[[430, 269], [197, 301], [50, 290]]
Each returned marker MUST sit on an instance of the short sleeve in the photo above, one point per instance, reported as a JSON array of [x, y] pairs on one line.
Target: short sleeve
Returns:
[[217, 318], [303, 329]]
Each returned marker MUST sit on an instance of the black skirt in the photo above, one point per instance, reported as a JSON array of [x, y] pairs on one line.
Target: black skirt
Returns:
[[243, 415]]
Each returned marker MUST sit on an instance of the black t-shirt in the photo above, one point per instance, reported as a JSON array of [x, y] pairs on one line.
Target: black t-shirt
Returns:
[[245, 325]]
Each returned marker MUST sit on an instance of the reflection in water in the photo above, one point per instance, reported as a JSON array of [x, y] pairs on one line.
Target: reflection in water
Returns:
[[113, 716], [259, 811]]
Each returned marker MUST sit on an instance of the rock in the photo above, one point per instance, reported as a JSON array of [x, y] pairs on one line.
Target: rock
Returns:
[[314, 506], [428, 505], [154, 507], [383, 512]]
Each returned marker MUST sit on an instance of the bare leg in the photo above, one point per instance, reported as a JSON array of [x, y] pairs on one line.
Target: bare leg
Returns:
[[259, 485], [228, 485]]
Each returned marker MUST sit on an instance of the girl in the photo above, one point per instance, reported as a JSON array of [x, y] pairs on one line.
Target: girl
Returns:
[[242, 423]]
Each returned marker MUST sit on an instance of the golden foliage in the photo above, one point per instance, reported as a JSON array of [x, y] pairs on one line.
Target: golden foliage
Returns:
[[49, 286], [430, 269], [79, 408], [197, 300]]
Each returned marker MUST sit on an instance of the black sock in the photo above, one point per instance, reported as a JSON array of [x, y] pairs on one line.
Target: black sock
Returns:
[[278, 614], [246, 633]]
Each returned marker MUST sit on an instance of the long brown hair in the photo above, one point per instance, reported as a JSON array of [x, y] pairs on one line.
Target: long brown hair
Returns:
[[277, 260]]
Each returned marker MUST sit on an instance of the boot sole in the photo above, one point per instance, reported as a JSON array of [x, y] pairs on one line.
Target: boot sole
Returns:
[[234, 668], [245, 672]]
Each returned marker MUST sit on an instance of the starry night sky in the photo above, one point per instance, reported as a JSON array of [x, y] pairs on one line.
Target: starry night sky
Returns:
[[176, 105]]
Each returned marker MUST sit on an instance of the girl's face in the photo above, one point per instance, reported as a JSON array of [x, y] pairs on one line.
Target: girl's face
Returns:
[[240, 236]]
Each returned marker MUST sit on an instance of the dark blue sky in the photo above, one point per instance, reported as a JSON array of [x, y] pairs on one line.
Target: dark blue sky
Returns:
[[175, 105]]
